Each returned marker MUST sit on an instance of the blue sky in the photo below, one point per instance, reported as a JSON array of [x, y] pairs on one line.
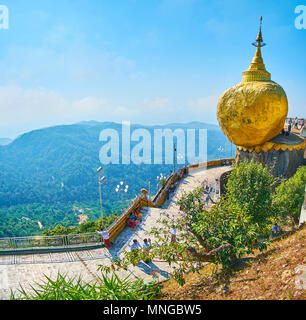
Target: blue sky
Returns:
[[147, 61]]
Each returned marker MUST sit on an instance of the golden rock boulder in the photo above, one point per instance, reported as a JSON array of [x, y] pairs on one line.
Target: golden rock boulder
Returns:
[[254, 111]]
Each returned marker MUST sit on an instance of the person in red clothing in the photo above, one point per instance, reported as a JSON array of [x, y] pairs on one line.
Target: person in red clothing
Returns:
[[131, 223], [105, 236]]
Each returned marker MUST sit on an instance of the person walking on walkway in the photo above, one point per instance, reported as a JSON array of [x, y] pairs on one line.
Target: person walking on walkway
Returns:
[[135, 245], [146, 248], [296, 122], [185, 170], [289, 127], [105, 236], [173, 234]]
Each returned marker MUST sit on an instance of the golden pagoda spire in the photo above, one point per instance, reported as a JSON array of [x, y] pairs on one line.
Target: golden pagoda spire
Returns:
[[257, 70], [254, 111]]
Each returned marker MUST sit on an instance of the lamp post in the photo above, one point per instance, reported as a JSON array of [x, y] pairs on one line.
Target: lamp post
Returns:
[[179, 157], [159, 179], [220, 149], [101, 180], [174, 158], [150, 189], [122, 189]]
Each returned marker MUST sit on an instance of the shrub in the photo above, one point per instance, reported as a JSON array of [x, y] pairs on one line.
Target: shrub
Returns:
[[105, 288], [289, 196], [228, 224], [250, 187]]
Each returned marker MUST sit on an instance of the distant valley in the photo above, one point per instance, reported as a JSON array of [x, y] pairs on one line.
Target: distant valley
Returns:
[[44, 173]]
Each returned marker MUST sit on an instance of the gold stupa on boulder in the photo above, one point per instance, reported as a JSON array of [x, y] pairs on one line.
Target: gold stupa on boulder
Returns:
[[254, 111]]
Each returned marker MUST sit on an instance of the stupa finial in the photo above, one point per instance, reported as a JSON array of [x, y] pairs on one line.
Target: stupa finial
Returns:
[[259, 40], [257, 70]]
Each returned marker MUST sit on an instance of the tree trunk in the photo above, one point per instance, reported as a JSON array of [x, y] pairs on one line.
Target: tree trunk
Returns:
[[207, 257]]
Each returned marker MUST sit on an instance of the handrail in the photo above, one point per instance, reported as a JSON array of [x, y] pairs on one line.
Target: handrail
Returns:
[[159, 198], [124, 212], [171, 179], [161, 190], [292, 118], [211, 163], [67, 240]]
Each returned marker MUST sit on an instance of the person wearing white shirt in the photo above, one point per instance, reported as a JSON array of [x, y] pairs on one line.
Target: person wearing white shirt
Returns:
[[105, 236], [135, 245], [146, 248], [173, 234]]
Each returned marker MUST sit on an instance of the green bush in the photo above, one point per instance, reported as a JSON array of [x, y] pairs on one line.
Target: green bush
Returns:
[[105, 288], [289, 197], [226, 223], [250, 187]]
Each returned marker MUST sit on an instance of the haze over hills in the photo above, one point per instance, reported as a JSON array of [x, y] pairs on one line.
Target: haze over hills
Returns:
[[56, 166]]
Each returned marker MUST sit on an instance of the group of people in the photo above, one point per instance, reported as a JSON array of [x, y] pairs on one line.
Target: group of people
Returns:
[[297, 124], [275, 231], [145, 247], [147, 244], [134, 219]]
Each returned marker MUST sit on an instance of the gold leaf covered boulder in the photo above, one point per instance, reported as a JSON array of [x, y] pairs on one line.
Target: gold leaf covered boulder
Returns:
[[254, 111]]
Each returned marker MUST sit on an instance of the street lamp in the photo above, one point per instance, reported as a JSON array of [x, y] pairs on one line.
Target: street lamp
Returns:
[[220, 149], [122, 189], [159, 179], [101, 180], [179, 158], [150, 189], [174, 157]]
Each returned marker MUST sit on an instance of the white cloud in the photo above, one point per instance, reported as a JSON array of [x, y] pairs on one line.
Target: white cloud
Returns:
[[24, 109], [89, 106], [203, 104], [156, 104]]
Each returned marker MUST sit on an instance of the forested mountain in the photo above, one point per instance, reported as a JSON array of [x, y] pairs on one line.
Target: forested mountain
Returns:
[[57, 166]]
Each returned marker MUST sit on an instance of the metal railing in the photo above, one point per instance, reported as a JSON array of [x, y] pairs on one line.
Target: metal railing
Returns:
[[125, 211], [69, 240], [162, 192], [299, 119]]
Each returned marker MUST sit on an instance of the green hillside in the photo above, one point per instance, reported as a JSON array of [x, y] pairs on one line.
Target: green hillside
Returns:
[[55, 167]]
